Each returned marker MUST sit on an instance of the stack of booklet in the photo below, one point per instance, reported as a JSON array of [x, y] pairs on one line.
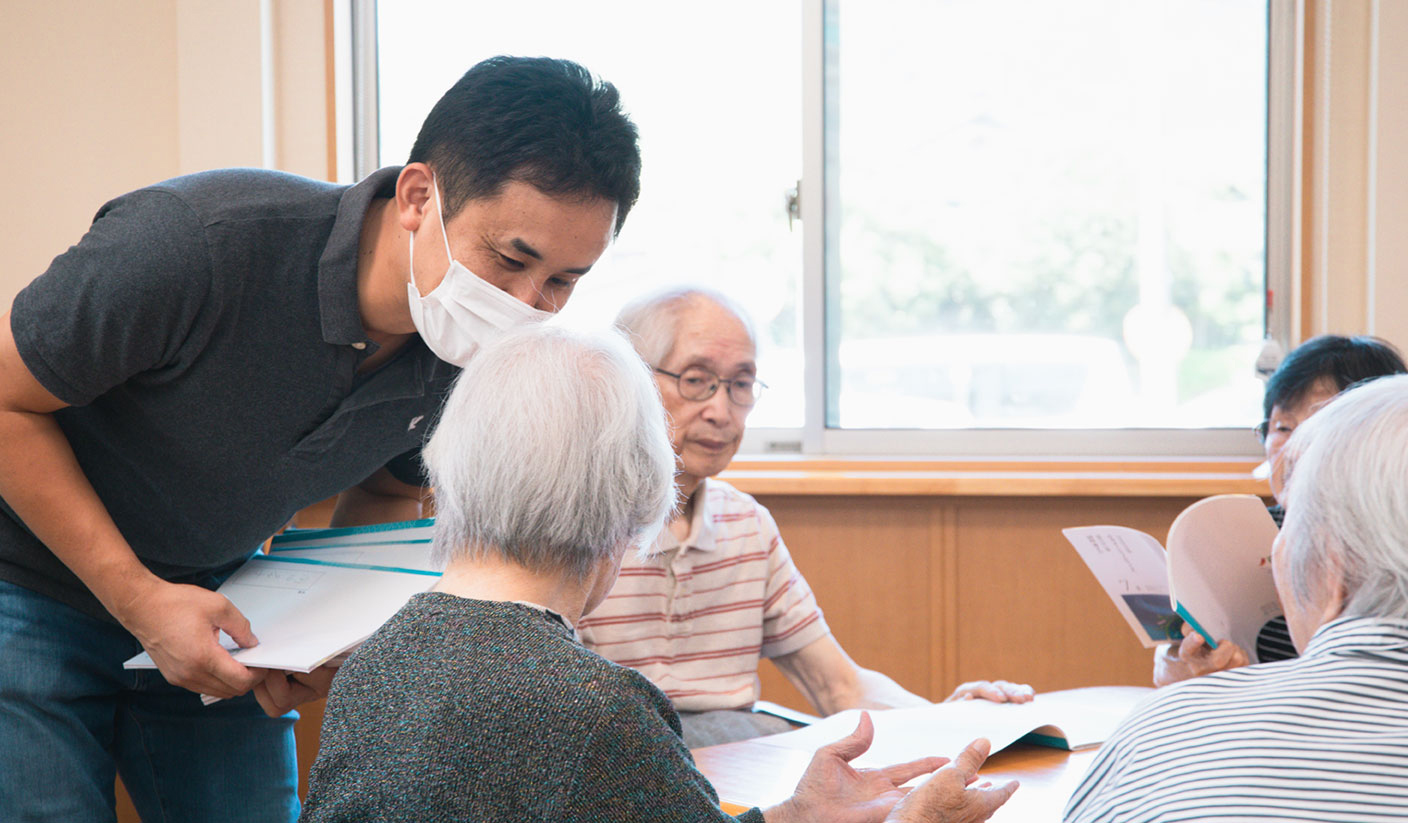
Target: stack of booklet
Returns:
[[1215, 576], [318, 593]]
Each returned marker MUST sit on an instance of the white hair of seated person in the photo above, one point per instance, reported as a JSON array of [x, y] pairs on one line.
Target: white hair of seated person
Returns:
[[1347, 504], [651, 321], [551, 452]]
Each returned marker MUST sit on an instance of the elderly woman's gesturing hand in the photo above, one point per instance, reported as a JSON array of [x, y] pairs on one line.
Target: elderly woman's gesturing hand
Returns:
[[950, 796], [833, 790]]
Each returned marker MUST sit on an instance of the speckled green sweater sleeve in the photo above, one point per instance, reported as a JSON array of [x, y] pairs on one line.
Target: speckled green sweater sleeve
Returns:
[[661, 783]]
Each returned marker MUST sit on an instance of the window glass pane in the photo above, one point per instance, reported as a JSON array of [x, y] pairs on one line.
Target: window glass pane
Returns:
[[1051, 215], [716, 92]]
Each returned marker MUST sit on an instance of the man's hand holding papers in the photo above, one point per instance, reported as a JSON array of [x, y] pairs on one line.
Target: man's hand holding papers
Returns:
[[180, 625], [314, 596]]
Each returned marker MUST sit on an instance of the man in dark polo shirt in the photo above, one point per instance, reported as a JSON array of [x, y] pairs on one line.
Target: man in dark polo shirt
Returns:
[[219, 351]]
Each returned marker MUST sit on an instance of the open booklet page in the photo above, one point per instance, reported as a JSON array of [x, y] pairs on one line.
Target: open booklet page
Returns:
[[1073, 719], [762, 771], [1133, 569]]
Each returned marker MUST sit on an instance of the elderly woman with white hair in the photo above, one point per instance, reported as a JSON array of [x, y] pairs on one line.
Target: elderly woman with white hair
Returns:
[[1324, 736], [476, 702]]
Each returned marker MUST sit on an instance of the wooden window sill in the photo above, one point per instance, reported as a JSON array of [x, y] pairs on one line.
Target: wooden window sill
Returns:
[[995, 478]]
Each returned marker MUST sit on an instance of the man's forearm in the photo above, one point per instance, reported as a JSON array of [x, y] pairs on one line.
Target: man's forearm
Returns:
[[41, 481]]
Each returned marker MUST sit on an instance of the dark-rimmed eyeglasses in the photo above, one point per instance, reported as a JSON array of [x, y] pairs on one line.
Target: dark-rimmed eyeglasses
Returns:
[[698, 383]]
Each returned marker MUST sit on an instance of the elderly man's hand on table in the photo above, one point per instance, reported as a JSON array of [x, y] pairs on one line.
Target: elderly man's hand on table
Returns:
[[833, 790], [998, 691], [1192, 658]]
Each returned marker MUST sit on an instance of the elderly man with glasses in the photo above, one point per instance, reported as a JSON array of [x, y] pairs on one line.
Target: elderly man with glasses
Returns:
[[720, 591]]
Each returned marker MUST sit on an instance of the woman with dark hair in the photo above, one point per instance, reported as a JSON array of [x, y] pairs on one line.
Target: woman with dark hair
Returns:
[[1310, 376]]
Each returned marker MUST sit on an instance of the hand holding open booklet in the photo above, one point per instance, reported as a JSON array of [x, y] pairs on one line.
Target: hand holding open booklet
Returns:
[[1215, 576]]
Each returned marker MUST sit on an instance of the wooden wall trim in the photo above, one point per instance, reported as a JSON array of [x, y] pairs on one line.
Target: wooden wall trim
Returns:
[[994, 483]]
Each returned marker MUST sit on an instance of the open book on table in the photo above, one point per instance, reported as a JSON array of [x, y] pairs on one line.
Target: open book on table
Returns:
[[1215, 576], [1073, 720], [318, 593]]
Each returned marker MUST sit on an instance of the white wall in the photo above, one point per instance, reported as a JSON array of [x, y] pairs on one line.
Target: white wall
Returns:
[[1356, 181], [90, 112], [104, 97]]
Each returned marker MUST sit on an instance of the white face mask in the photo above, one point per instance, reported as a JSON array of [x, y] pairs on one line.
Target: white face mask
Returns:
[[465, 311]]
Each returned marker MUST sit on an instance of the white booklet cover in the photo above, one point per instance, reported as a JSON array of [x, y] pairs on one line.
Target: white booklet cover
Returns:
[[1219, 569], [322, 592]]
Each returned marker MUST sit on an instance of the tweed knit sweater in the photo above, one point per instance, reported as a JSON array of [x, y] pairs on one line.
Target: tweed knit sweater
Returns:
[[463, 709]]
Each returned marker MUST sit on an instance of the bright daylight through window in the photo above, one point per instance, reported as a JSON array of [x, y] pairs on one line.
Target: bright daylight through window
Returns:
[[720, 142], [1038, 215]]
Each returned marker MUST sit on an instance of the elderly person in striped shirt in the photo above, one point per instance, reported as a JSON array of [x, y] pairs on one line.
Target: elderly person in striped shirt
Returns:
[[720, 591], [1323, 736], [1310, 376]]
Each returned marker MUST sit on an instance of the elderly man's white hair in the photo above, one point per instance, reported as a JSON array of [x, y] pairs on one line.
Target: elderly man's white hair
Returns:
[[551, 452], [1347, 499], [651, 321]]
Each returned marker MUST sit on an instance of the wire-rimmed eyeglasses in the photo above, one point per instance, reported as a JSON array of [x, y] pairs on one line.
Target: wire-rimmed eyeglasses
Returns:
[[698, 383]]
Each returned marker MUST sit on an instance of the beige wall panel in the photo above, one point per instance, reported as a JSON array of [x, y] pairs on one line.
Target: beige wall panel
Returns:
[[90, 98], [869, 563], [1029, 608], [219, 91], [1390, 242], [301, 93], [1341, 264], [936, 591]]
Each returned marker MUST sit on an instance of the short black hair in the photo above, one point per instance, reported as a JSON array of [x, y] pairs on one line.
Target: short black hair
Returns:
[[1343, 360], [541, 121]]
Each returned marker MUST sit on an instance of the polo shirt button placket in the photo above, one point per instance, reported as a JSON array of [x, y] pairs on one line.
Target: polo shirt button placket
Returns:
[[680, 602]]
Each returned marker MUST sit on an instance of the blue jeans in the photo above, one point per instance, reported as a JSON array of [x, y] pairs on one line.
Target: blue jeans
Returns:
[[71, 718]]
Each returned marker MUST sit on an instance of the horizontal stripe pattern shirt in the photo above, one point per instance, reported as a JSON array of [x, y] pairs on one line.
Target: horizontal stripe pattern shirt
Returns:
[[695, 617], [1323, 737]]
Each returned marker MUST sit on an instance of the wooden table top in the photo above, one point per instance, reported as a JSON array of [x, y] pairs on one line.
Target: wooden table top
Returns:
[[751, 773]]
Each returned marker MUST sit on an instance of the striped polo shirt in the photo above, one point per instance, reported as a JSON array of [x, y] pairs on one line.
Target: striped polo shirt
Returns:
[[1323, 737], [696, 617]]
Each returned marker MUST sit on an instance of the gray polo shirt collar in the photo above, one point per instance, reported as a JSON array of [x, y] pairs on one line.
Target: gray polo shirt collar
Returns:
[[337, 268]]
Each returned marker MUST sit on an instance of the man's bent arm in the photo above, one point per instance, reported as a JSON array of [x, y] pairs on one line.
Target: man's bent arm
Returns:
[[833, 682], [42, 482], [380, 498]]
